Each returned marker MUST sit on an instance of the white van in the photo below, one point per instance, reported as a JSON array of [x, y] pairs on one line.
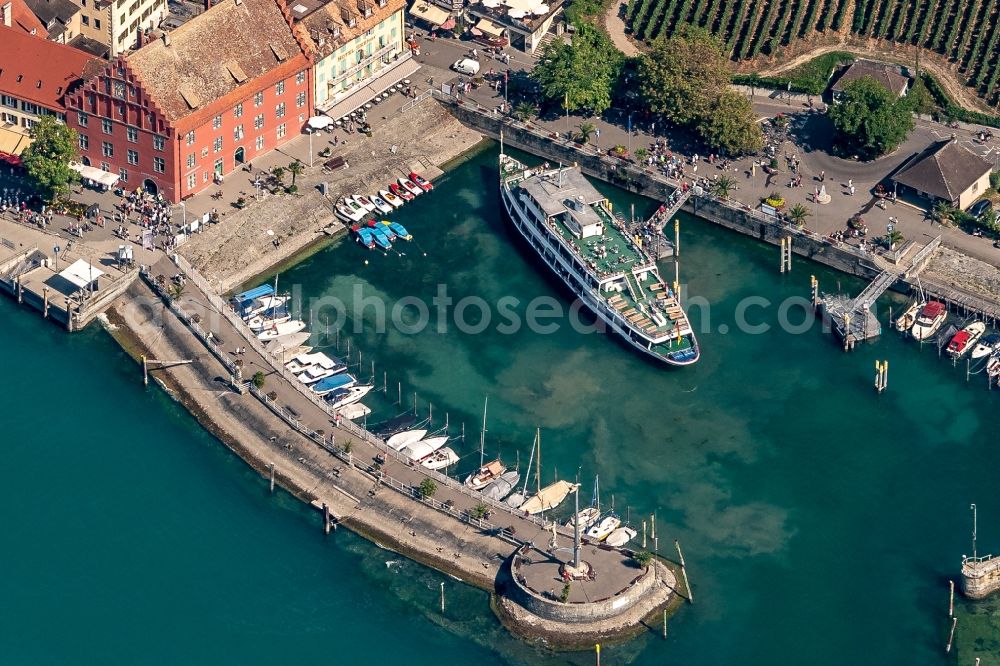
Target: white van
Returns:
[[466, 66]]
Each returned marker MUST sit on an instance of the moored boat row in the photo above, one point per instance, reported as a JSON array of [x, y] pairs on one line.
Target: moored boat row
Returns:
[[924, 320], [359, 210]]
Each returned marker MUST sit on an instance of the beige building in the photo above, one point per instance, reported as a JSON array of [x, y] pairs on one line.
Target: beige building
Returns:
[[117, 23], [358, 47], [945, 171]]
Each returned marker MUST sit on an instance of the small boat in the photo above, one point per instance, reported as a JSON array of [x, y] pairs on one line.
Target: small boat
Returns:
[[501, 487], [391, 198], [380, 237], [620, 536], [603, 528], [384, 229], [262, 305], [401, 192], [410, 186], [348, 214], [260, 322], [905, 321], [421, 182], [343, 397], [401, 439], [515, 500], [993, 366], [443, 457], [364, 202], [420, 450], [289, 344], [929, 320], [302, 362], [963, 341], [364, 236], [548, 497], [281, 330], [330, 384], [355, 411], [986, 346], [485, 475], [398, 229], [381, 204], [314, 373], [585, 518]]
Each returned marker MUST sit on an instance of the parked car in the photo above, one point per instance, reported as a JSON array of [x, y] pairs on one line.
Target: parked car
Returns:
[[980, 208], [466, 66]]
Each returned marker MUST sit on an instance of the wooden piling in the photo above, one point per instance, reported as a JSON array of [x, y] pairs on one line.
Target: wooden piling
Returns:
[[951, 637], [326, 518], [664, 622], [145, 371], [644, 535], [272, 477], [20, 291], [687, 583], [951, 598], [45, 302], [442, 596]]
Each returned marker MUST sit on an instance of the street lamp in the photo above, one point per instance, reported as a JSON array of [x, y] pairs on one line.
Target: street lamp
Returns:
[[184, 216], [310, 133]]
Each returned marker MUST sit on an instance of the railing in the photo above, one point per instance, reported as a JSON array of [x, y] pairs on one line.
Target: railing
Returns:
[[361, 64]]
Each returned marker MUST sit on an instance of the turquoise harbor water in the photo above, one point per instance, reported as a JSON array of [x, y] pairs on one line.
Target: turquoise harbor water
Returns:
[[820, 522]]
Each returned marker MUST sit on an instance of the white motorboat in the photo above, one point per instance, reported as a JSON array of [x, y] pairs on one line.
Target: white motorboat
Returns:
[[963, 341], [381, 204], [355, 411], [930, 319], [423, 448], [501, 486], [410, 186], [390, 198], [362, 202], [548, 497], [906, 320], [335, 382], [443, 457], [620, 536], [348, 214], [485, 475], [303, 361], [316, 372], [401, 439], [986, 346], [289, 344], [280, 330], [343, 397], [262, 305], [993, 366], [603, 528], [585, 518], [260, 322]]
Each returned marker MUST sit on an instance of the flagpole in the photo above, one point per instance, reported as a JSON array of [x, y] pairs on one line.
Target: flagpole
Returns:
[[566, 105]]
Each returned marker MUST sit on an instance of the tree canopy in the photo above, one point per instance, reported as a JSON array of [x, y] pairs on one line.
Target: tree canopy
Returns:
[[870, 119], [581, 75], [47, 159], [682, 77], [731, 125]]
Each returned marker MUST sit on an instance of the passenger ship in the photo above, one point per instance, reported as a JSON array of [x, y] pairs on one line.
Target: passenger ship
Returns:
[[571, 226]]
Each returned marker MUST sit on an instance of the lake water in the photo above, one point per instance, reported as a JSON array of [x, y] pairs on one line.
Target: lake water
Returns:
[[820, 521]]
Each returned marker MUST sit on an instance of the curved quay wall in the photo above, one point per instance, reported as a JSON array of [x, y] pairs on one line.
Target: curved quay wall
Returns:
[[578, 612]]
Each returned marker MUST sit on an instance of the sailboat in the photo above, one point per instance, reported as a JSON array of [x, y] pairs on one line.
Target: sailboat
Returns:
[[401, 439], [586, 517], [550, 496], [486, 474], [516, 499], [501, 487], [621, 536]]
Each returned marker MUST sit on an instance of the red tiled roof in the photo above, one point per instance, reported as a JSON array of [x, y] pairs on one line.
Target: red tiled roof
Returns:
[[37, 70], [23, 18]]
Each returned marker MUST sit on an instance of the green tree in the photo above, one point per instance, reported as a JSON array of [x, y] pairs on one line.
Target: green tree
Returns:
[[581, 75], [893, 237], [731, 126], [642, 558], [427, 488], [640, 154], [870, 119], [920, 98], [682, 77], [479, 511], [47, 159], [279, 174], [798, 214], [723, 187], [296, 168], [943, 213], [586, 131], [564, 596], [258, 380], [525, 111]]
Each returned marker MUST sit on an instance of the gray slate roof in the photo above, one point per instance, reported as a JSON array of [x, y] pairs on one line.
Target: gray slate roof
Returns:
[[945, 169], [888, 75]]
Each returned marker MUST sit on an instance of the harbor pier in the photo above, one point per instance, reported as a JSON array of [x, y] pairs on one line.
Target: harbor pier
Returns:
[[980, 576]]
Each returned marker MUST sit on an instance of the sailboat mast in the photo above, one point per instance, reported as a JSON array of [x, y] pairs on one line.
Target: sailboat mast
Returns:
[[482, 434], [527, 475], [538, 460]]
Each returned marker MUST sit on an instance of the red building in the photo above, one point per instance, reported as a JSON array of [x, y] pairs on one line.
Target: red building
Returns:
[[227, 86]]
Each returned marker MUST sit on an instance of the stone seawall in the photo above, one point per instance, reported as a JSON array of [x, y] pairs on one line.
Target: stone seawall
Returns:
[[980, 577]]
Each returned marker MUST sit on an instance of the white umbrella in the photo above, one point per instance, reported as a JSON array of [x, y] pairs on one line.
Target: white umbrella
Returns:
[[516, 13], [320, 122], [540, 10], [492, 4]]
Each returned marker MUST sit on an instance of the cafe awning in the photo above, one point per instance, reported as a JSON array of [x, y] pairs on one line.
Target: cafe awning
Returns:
[[429, 13], [81, 274], [93, 174], [490, 28], [13, 143]]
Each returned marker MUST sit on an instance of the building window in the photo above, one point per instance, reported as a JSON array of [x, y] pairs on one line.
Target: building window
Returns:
[[238, 133], [97, 26], [300, 78], [106, 125], [204, 152], [258, 98], [279, 89], [158, 143], [281, 130], [105, 166], [190, 161], [192, 181], [159, 164], [217, 122], [279, 111], [133, 156], [132, 134], [190, 138], [8, 101], [107, 149], [258, 121], [238, 110], [119, 88], [123, 174], [82, 118], [300, 100], [84, 142], [86, 21], [217, 144], [260, 143]]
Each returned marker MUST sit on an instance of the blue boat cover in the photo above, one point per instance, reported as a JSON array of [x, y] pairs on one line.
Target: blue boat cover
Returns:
[[336, 381], [257, 292]]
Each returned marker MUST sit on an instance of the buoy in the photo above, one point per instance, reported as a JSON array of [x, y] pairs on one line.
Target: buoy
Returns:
[[366, 262]]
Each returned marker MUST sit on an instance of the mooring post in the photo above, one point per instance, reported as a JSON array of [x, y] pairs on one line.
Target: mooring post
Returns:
[[145, 371], [399, 393], [687, 583], [430, 412], [326, 518], [414, 403], [597, 649], [664, 622], [45, 302], [951, 637], [442, 596], [644, 535], [951, 599], [272, 477]]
